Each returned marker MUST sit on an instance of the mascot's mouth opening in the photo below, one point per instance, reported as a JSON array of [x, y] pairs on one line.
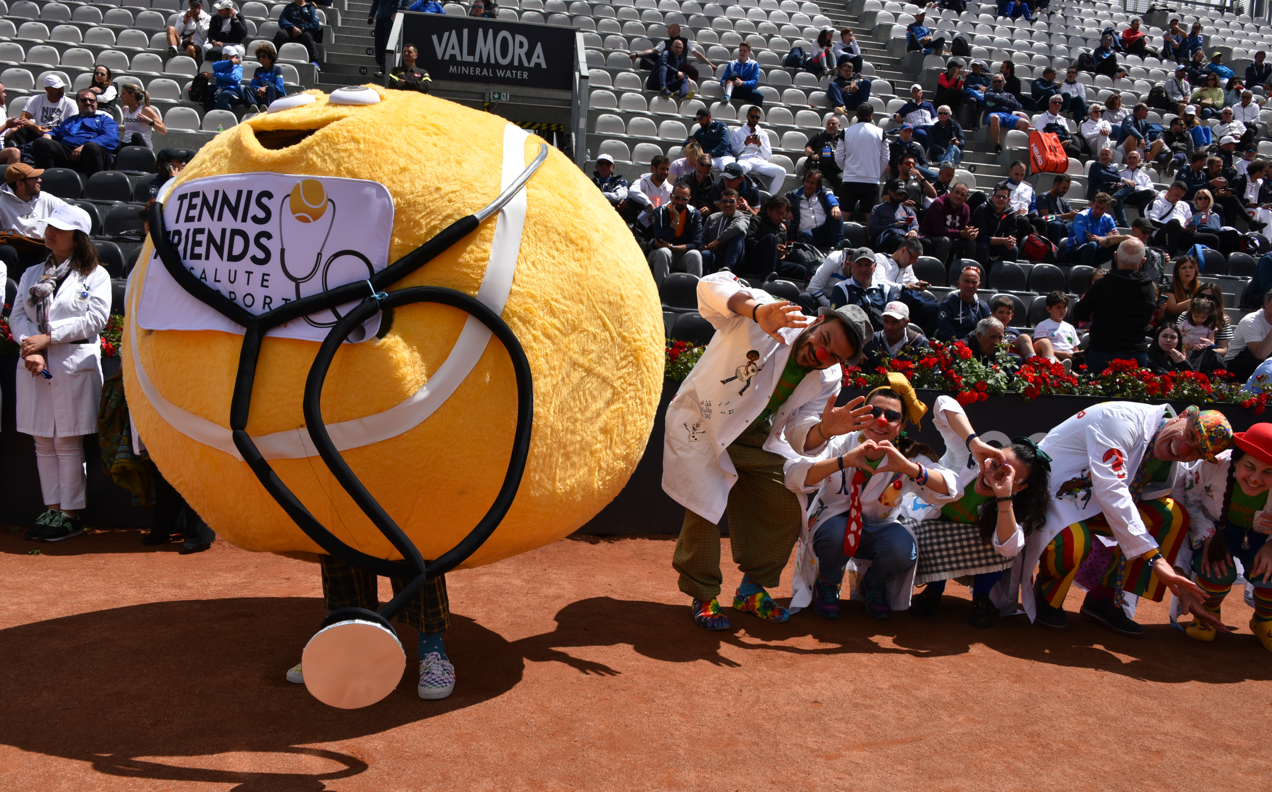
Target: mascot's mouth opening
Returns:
[[278, 139]]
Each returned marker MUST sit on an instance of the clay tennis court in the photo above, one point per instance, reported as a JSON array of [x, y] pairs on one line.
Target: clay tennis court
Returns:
[[579, 668]]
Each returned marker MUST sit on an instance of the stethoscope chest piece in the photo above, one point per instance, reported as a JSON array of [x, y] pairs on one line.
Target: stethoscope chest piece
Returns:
[[354, 661]]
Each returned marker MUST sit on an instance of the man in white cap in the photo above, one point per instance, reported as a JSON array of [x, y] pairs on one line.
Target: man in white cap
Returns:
[[1228, 125], [84, 142], [917, 113], [897, 336], [24, 208], [42, 112], [611, 185], [227, 27], [190, 34], [226, 80]]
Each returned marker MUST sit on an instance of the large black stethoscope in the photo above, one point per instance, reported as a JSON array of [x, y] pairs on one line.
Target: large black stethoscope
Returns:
[[351, 661]]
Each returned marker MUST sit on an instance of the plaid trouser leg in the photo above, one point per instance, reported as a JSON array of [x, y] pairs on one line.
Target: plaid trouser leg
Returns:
[[763, 526], [345, 586]]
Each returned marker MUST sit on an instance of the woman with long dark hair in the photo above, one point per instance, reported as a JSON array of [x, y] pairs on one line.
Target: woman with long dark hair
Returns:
[[1165, 354], [61, 307]]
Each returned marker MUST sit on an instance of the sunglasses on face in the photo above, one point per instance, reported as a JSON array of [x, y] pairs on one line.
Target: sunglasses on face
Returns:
[[892, 416]]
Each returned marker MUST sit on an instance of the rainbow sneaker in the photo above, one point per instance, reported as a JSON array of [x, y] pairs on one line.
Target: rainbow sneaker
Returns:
[[707, 615], [762, 605]]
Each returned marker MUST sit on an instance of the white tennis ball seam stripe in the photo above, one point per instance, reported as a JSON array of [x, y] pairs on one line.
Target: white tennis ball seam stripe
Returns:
[[494, 290]]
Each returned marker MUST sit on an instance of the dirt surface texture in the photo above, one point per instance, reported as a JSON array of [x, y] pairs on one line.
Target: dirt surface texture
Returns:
[[124, 667]]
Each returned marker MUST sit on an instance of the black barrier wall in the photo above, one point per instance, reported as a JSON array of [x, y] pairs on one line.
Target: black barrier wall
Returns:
[[492, 51]]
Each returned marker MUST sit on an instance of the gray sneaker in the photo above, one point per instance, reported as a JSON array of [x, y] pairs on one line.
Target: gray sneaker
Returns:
[[61, 527]]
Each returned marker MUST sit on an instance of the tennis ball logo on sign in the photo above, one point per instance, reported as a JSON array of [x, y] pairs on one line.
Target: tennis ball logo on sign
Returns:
[[308, 201]]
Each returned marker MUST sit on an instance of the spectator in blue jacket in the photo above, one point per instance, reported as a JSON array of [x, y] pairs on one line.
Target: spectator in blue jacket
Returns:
[[1258, 73], [814, 213], [714, 137], [863, 289], [267, 82], [1194, 43], [945, 138], [482, 9], [919, 38], [299, 23], [227, 76], [1042, 89], [1001, 109], [1216, 67], [741, 78], [668, 74], [83, 142], [1094, 237], [962, 309], [975, 85], [847, 92], [1013, 9], [427, 7], [892, 219]]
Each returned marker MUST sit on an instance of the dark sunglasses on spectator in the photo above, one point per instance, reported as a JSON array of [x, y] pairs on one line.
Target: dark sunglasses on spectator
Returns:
[[728, 201], [892, 416], [87, 100], [941, 113]]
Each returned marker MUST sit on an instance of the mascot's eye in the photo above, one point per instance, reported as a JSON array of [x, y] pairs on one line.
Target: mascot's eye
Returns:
[[354, 95], [288, 102]]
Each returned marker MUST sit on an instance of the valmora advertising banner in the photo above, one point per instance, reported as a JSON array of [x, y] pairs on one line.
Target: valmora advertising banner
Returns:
[[471, 49]]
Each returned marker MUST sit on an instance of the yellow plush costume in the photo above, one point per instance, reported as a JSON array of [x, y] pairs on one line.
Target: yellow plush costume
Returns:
[[582, 304]]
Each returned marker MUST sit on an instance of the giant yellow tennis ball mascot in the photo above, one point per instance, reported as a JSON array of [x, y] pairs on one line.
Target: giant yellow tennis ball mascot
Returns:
[[579, 298]]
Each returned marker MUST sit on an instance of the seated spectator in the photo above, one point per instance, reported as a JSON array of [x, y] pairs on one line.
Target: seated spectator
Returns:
[[1073, 93], [1061, 336], [1251, 194], [733, 177], [190, 34], [1194, 177], [701, 186], [1120, 307], [1164, 355], [823, 61], [677, 237], [140, 119], [820, 151], [1014, 9], [1169, 213], [834, 268], [1094, 236], [893, 219], [950, 85], [1173, 41], [1095, 131], [995, 224], [742, 77], [944, 179], [227, 27], [898, 268], [864, 288], [1002, 110], [1103, 176], [1024, 202], [1259, 72], [225, 85], [408, 77], [1011, 82], [1114, 112], [102, 85], [42, 112], [1015, 339], [1216, 67], [1135, 40], [611, 185], [975, 85], [751, 147], [691, 50], [652, 191], [1196, 42], [668, 75], [714, 138], [847, 48], [1198, 336], [1246, 111], [299, 23], [1105, 57], [1178, 90], [23, 210], [919, 191], [687, 164], [168, 162], [1054, 216], [1133, 134], [1177, 147], [83, 142], [1197, 71], [267, 82], [1229, 126], [766, 238], [1042, 89], [1185, 285], [905, 146], [1209, 97], [1052, 121], [1232, 92], [1204, 227], [1137, 189], [425, 7], [919, 39], [961, 310], [949, 217], [814, 213], [846, 93], [482, 10], [724, 235], [986, 341], [898, 336], [917, 113], [1251, 341]]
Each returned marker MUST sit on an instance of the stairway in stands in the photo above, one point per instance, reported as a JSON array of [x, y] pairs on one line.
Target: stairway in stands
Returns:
[[350, 60]]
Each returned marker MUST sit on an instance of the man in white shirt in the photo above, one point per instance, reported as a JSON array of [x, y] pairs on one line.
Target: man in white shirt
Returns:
[[652, 191], [190, 34], [1022, 199], [1169, 213], [816, 213], [43, 112], [1251, 341], [1095, 130], [1248, 111], [899, 269], [862, 155], [1228, 125], [1178, 90], [1052, 119], [1141, 191], [1076, 91], [23, 212], [751, 146]]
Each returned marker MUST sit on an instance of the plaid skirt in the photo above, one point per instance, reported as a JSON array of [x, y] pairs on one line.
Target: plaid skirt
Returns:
[[949, 550]]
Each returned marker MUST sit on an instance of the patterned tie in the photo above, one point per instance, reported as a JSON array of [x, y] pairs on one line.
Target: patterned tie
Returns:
[[852, 535]]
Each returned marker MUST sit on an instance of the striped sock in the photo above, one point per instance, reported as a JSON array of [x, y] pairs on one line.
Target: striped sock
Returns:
[[1215, 592], [1263, 605]]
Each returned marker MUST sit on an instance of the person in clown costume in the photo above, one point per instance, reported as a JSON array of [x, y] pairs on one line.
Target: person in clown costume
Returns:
[[1228, 504], [858, 483], [1117, 478]]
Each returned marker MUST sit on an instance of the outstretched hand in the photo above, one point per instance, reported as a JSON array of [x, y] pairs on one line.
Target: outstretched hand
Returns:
[[776, 315], [1189, 593], [852, 417]]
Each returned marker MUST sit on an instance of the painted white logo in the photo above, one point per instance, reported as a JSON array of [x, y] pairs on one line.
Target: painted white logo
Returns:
[[265, 239]]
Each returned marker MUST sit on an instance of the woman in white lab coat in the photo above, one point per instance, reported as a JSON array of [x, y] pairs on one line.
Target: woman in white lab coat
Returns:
[[1227, 502], [860, 480], [61, 306]]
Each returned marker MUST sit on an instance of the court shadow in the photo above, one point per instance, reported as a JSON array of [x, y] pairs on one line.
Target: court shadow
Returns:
[[158, 691], [107, 541]]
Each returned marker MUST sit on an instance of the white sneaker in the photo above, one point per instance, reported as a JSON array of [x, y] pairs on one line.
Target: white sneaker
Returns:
[[295, 675], [437, 677]]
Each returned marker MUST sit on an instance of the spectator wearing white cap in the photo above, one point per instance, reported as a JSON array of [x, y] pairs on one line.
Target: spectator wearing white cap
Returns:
[[227, 27], [897, 336], [190, 34], [917, 113], [42, 112], [228, 76], [24, 208], [84, 142], [1095, 130], [611, 185], [60, 309], [1229, 125]]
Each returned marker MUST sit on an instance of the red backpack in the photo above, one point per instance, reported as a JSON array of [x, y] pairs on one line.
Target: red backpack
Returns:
[[1037, 247], [1046, 155]]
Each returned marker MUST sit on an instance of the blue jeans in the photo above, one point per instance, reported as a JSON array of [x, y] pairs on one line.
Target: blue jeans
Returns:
[[981, 584], [664, 80], [1076, 104], [1097, 361], [727, 255], [984, 251], [952, 155], [888, 547], [226, 99], [826, 235], [1014, 9]]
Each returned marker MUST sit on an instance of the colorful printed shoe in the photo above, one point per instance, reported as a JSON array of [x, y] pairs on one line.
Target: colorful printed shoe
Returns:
[[877, 606], [1263, 631], [762, 605], [437, 677], [826, 600], [707, 615], [295, 675], [1200, 630]]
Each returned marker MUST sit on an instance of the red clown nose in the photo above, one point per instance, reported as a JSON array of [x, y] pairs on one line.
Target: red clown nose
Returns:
[[881, 420], [821, 354]]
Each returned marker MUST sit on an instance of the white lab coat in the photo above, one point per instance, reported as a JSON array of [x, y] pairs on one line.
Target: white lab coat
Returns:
[[66, 405], [1094, 457], [707, 415], [881, 501]]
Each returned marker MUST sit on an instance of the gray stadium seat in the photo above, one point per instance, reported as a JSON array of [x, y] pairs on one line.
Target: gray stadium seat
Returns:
[[296, 53], [218, 118], [182, 118]]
